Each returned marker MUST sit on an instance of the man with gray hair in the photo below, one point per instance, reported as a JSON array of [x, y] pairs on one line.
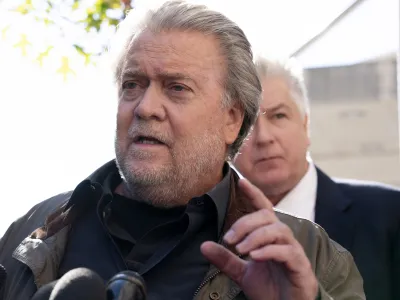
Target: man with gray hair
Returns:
[[363, 217], [170, 207]]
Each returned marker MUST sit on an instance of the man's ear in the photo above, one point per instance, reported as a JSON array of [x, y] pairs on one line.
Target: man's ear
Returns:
[[232, 123], [306, 126]]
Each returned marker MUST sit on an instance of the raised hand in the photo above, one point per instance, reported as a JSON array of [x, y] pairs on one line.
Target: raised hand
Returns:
[[277, 267]]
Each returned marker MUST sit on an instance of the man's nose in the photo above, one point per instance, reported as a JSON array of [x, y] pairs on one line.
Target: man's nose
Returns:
[[263, 132], [151, 104]]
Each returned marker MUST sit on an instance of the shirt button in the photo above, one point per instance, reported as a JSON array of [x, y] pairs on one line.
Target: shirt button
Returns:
[[214, 296], [106, 212]]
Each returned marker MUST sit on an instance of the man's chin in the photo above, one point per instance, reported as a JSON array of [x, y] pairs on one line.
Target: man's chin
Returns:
[[147, 176], [273, 180]]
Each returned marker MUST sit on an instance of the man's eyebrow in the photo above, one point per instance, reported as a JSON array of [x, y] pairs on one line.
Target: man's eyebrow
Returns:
[[274, 108], [132, 72], [136, 72], [174, 76]]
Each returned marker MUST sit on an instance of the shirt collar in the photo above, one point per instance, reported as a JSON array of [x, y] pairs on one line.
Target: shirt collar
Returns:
[[300, 201], [219, 194]]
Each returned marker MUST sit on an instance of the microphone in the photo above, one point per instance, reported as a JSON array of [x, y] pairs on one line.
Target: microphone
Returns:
[[3, 279], [79, 284], [45, 291], [127, 285]]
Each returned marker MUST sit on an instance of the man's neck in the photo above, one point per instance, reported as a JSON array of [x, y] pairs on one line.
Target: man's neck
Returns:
[[280, 194], [202, 185], [275, 199]]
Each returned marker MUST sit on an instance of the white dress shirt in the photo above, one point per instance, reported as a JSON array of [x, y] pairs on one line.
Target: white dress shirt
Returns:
[[300, 201]]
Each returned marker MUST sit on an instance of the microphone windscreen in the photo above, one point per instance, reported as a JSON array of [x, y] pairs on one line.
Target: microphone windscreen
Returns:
[[45, 291], [126, 285], [79, 284]]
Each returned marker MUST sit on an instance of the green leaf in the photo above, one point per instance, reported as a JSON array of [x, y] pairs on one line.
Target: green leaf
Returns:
[[95, 17], [113, 22], [79, 49]]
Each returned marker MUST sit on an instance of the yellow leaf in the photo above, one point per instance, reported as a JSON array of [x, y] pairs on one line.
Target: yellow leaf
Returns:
[[75, 5], [25, 7], [23, 44], [65, 68], [43, 54], [4, 32]]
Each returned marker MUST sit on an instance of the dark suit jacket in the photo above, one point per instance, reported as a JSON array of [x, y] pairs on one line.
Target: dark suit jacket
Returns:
[[364, 217]]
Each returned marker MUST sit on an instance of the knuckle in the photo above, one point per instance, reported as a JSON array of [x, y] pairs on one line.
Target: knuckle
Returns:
[[252, 238], [240, 224], [266, 231], [265, 213], [236, 227]]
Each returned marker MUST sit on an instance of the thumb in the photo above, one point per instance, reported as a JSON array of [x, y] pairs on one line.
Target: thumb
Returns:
[[229, 263]]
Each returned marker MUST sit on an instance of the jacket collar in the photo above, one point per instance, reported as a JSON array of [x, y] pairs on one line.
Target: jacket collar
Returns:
[[333, 211], [43, 250]]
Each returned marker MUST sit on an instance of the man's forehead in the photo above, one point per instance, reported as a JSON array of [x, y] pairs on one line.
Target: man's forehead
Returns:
[[168, 52], [138, 67], [275, 91]]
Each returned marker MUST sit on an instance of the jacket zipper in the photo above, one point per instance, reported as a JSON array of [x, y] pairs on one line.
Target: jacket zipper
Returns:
[[208, 279], [205, 282]]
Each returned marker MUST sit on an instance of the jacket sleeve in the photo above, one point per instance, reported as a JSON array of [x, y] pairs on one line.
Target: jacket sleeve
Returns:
[[5, 237], [24, 226], [341, 279]]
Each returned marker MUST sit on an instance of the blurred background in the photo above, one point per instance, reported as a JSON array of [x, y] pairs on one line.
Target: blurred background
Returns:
[[57, 100]]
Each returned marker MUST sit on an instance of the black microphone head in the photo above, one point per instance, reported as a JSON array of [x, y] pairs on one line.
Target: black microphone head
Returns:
[[45, 291], [127, 285], [79, 284]]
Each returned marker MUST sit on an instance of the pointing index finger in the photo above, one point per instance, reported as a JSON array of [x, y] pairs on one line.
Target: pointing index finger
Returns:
[[254, 195]]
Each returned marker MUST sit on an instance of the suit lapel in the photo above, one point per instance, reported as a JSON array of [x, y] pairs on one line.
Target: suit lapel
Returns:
[[333, 211]]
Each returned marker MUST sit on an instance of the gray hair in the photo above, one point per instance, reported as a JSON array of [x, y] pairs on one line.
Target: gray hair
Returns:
[[242, 85], [290, 71]]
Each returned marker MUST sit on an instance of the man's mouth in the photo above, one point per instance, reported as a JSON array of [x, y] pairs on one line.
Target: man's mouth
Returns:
[[141, 139], [269, 158]]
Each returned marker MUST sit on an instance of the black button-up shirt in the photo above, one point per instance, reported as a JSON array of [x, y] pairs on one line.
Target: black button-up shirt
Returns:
[[163, 245]]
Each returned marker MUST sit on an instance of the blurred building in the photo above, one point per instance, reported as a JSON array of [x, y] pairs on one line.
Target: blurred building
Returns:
[[354, 120]]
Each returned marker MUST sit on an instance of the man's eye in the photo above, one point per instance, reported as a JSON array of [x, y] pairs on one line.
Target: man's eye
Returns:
[[129, 85], [177, 88], [280, 115]]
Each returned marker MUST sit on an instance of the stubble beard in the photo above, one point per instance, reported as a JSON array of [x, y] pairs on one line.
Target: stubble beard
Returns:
[[173, 184]]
